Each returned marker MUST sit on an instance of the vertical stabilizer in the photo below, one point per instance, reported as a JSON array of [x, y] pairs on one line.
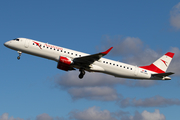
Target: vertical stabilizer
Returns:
[[160, 65]]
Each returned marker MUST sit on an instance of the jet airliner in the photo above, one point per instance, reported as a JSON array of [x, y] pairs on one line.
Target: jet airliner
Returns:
[[68, 59]]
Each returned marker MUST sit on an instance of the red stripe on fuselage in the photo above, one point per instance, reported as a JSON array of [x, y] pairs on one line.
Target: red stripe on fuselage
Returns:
[[152, 68]]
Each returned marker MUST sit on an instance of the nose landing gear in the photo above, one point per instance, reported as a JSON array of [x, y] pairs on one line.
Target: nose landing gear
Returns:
[[82, 73], [19, 52]]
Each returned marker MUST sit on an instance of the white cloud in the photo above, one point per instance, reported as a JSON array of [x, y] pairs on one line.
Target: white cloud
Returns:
[[5, 116], [131, 50], [175, 16], [145, 115], [95, 86], [122, 46], [156, 101], [93, 113], [43, 116], [94, 93], [70, 79], [152, 116], [143, 57]]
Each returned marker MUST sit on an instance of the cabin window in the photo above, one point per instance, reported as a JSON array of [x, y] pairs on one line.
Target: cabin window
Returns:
[[113, 64], [106, 62], [103, 61], [57, 49], [117, 65], [120, 65], [71, 53], [64, 51], [50, 48], [68, 52]]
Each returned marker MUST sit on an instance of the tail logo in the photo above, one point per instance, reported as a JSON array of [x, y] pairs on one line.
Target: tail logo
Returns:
[[164, 62]]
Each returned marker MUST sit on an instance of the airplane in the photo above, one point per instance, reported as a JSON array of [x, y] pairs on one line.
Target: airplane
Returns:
[[68, 59]]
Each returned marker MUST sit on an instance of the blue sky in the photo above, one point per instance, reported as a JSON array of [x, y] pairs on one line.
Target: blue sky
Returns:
[[140, 32]]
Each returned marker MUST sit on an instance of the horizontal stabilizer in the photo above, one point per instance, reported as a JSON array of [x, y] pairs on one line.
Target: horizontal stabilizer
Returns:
[[161, 75]]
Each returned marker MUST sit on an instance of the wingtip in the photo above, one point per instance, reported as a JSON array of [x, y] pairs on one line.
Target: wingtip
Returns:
[[107, 51]]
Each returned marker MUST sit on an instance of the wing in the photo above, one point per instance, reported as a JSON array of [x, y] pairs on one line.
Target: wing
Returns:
[[85, 61]]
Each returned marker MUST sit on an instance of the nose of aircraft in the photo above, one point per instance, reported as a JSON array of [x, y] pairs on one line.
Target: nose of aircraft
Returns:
[[7, 43]]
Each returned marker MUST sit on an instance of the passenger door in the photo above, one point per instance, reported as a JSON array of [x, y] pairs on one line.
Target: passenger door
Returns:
[[26, 43], [136, 71]]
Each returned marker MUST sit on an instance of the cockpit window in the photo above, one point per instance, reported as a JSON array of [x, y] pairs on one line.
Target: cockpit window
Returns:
[[16, 39]]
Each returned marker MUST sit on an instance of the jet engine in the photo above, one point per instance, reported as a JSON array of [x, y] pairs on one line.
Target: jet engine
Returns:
[[65, 63]]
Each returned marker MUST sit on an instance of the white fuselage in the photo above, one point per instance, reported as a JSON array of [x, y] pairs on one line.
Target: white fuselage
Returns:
[[48, 51]]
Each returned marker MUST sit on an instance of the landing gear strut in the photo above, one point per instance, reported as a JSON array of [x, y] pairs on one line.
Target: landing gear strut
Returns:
[[82, 73], [19, 54]]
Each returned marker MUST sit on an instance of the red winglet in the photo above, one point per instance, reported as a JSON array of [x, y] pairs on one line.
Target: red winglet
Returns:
[[107, 51]]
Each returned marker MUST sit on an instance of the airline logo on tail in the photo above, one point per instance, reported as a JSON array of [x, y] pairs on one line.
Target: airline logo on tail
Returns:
[[160, 65], [164, 62]]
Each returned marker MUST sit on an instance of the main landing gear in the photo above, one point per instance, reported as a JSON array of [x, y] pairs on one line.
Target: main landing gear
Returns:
[[19, 54], [82, 73]]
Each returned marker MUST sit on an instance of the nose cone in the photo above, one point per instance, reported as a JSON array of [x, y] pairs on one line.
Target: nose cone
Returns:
[[6, 44]]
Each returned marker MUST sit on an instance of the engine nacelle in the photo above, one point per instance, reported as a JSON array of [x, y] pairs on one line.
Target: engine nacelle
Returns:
[[65, 63]]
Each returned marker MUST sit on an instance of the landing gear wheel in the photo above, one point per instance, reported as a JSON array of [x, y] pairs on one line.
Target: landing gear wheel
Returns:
[[82, 73], [18, 57], [81, 76], [19, 52]]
